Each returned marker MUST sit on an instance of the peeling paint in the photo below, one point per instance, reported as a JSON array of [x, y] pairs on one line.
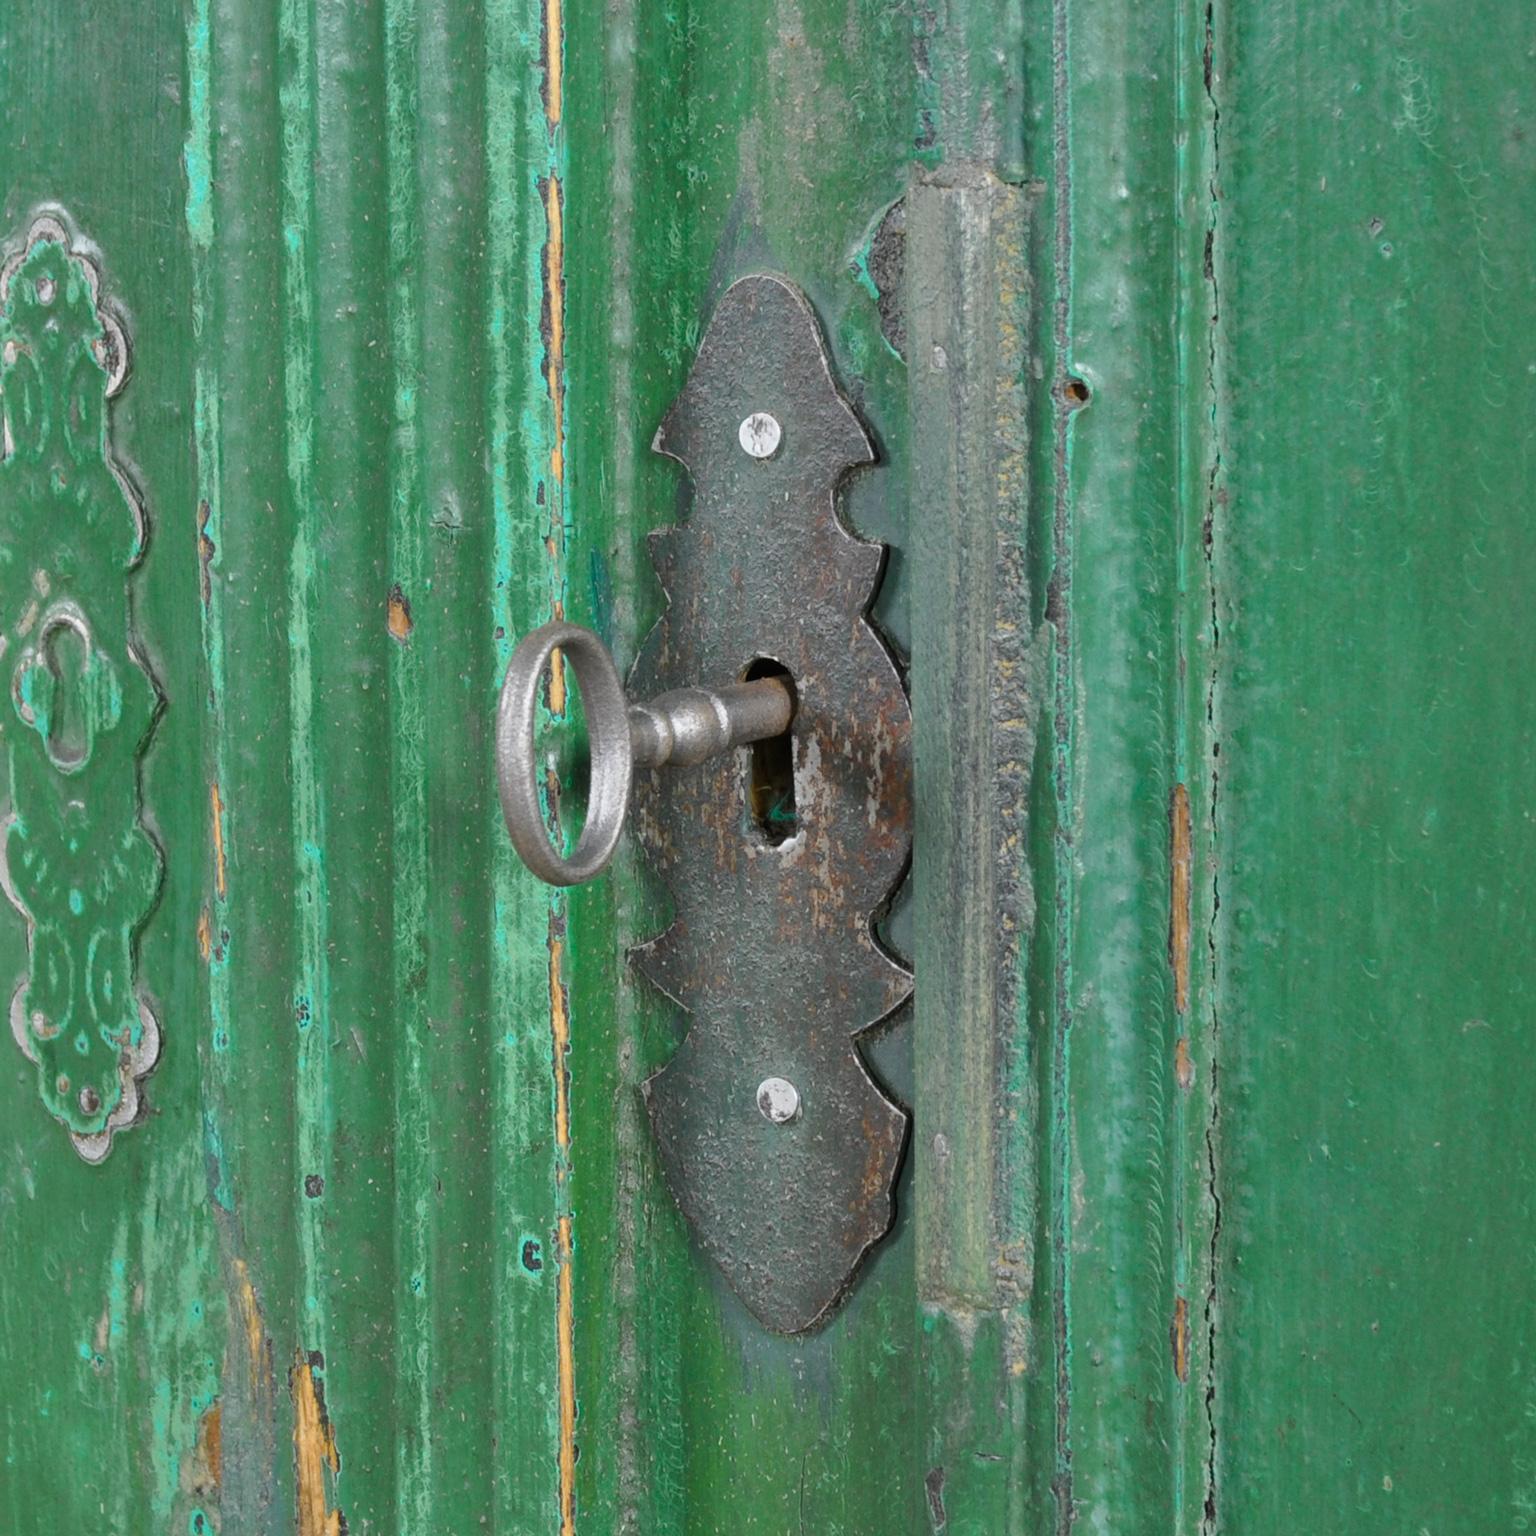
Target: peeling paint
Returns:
[[554, 298], [400, 621], [206, 550], [1178, 1337], [554, 337], [560, 1027], [1183, 1064], [566, 1329], [565, 1323], [259, 1356], [220, 869], [314, 1450], [1178, 919], [933, 1486], [207, 1473], [554, 61], [554, 377]]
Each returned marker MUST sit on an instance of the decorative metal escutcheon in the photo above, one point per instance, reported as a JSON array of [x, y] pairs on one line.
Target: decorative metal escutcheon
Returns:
[[782, 825], [75, 857]]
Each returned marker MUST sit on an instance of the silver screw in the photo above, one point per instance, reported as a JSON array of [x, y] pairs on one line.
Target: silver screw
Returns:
[[779, 1100], [760, 435]]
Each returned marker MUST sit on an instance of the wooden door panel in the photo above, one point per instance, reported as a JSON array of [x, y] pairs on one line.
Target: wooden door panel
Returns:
[[1190, 339]]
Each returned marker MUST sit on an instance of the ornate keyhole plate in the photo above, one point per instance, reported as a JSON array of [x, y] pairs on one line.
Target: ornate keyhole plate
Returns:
[[779, 1145], [81, 702]]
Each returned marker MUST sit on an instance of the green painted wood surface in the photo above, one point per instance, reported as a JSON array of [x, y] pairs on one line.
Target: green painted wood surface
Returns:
[[410, 285], [1373, 573], [1205, 477]]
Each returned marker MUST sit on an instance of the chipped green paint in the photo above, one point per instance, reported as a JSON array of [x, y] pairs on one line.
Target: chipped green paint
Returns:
[[214, 934], [442, 1185], [78, 863], [531, 524], [348, 256], [406, 312], [409, 570]]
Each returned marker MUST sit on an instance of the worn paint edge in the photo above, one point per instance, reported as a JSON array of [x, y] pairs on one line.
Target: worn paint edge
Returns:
[[554, 295], [297, 107], [525, 156], [214, 937], [1194, 897], [1179, 895], [1062, 710], [1213, 527], [416, 1364], [314, 1450]]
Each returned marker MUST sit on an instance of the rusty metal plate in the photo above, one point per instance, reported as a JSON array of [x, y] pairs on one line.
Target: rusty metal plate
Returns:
[[772, 951]]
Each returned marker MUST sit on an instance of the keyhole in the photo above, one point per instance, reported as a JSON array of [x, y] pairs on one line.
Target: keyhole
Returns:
[[69, 741], [771, 775]]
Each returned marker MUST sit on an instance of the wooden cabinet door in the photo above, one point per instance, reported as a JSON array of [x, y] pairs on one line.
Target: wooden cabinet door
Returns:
[[1193, 342]]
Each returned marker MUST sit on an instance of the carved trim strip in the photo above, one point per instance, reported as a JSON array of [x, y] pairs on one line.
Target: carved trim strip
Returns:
[[75, 857]]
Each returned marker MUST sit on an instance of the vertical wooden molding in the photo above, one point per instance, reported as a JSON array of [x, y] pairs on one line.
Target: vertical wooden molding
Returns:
[[973, 713]]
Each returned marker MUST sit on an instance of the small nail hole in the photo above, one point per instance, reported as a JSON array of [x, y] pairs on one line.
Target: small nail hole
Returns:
[[1076, 392]]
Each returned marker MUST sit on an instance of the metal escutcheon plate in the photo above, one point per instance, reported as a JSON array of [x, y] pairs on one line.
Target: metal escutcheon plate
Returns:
[[780, 1148]]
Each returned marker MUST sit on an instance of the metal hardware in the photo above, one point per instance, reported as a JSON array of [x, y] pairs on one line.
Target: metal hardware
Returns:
[[760, 435], [779, 1100], [683, 727], [778, 1145]]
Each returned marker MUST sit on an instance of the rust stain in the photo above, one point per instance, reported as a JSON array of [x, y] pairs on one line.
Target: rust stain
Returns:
[[204, 935], [1178, 921], [208, 1457], [875, 1180], [220, 872], [314, 1449], [1183, 1064], [400, 621], [1178, 1335]]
